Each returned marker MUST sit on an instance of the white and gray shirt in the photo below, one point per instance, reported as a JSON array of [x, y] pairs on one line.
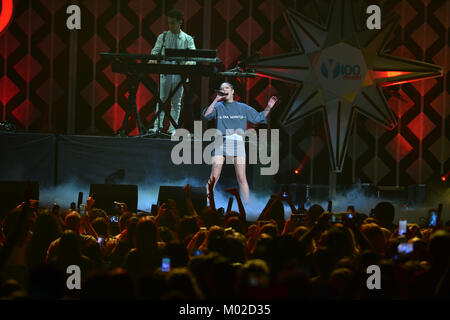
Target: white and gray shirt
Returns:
[[167, 39]]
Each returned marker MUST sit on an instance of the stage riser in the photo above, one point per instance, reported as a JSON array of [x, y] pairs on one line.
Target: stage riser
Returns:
[[55, 160]]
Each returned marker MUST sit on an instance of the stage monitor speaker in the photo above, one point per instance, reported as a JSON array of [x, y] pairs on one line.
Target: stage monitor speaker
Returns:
[[198, 196], [417, 195], [106, 194], [394, 194], [319, 193], [12, 193]]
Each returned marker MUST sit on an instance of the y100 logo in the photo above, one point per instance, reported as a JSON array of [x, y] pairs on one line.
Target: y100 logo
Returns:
[[334, 70]]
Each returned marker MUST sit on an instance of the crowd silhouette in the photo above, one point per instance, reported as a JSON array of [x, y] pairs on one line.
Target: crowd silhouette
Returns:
[[216, 255]]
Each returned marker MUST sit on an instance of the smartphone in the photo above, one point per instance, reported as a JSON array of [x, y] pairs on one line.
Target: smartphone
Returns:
[[165, 265], [433, 219], [82, 209], [114, 219], [80, 199], [405, 248], [336, 218], [402, 225], [230, 204], [100, 241], [350, 216], [197, 252], [154, 209], [330, 206]]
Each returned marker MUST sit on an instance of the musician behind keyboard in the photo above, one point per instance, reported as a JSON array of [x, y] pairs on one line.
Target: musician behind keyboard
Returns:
[[177, 39]]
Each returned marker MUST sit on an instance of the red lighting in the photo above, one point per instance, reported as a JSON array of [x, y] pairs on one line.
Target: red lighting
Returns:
[[296, 171], [444, 178], [6, 14], [388, 74]]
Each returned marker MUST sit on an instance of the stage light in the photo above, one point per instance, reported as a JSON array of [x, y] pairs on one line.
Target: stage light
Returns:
[[445, 177], [296, 171]]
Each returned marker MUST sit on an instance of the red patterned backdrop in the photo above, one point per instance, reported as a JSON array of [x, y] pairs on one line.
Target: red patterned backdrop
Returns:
[[35, 90]]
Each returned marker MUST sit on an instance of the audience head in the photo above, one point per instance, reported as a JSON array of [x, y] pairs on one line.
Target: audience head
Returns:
[[385, 213], [146, 235], [73, 221]]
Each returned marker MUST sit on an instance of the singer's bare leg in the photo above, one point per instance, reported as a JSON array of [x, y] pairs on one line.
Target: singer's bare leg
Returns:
[[239, 166], [216, 169]]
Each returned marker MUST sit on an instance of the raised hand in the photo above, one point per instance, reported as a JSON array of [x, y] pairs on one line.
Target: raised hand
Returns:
[[162, 209], [219, 98], [233, 191], [324, 218], [187, 189], [289, 225], [348, 222], [211, 183], [272, 101], [253, 231], [90, 201]]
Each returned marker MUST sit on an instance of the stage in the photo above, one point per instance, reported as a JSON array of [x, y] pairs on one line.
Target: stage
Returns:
[[64, 165]]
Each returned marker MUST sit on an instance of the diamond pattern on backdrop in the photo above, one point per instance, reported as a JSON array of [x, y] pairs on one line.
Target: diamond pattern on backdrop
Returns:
[[51, 43], [94, 93], [142, 7], [50, 91], [29, 16], [421, 126], [8, 44], [26, 113], [119, 26], [189, 8], [228, 9], [97, 7], [398, 148], [7, 90], [420, 170], [113, 117], [28, 67], [93, 47]]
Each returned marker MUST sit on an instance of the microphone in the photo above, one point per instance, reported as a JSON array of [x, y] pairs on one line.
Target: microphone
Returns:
[[220, 93]]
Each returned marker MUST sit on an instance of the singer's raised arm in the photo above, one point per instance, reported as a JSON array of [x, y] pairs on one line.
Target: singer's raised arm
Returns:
[[210, 113]]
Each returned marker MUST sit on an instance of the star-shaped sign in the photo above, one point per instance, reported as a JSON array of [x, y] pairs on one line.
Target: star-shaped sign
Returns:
[[339, 71]]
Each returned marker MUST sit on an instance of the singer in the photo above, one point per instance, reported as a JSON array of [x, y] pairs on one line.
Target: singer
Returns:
[[232, 115]]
